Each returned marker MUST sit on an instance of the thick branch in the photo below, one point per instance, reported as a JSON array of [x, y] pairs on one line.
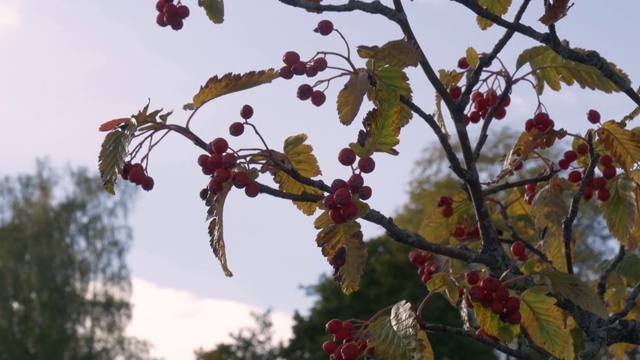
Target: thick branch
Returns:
[[373, 7], [304, 197]]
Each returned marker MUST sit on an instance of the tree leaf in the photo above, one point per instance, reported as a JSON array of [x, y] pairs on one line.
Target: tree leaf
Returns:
[[351, 96], [548, 207], [396, 53], [214, 10], [391, 83], [544, 321], [443, 283], [216, 236], [436, 228], [399, 336], [554, 12], [472, 57], [493, 325], [113, 152], [551, 69], [229, 83], [622, 144], [496, 7], [629, 267], [300, 156], [334, 236], [574, 289], [351, 272], [620, 211], [437, 114]]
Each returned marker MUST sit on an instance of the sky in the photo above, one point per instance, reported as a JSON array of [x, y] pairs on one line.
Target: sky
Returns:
[[67, 66]]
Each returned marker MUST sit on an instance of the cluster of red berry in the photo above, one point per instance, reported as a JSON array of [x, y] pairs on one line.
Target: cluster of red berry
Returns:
[[464, 233], [540, 121], [445, 204], [237, 128], [136, 174], [490, 293], [170, 14], [427, 267], [351, 347], [519, 250], [481, 103], [294, 66]]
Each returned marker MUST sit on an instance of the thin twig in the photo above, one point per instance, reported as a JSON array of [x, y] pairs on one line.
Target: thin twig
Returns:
[[602, 280]]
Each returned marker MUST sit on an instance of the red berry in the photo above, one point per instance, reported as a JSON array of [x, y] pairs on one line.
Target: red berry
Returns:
[[599, 182], [318, 98], [203, 159], [474, 116], [366, 164], [502, 294], [455, 92], [219, 145], [491, 96], [582, 149], [496, 307], [606, 160], [320, 64], [512, 304], [214, 162], [472, 277], [311, 71], [229, 160], [575, 176], [240, 179], [459, 232], [564, 164], [222, 175], [337, 216], [518, 248], [290, 58], [446, 211], [476, 293], [463, 63], [246, 112], [329, 202], [356, 181], [608, 172], [500, 113], [236, 129], [364, 193], [514, 318], [476, 95], [183, 12], [490, 284], [342, 196], [286, 72], [161, 4], [147, 183], [126, 169], [349, 210], [529, 125], [325, 27], [160, 20], [593, 116], [333, 326], [177, 24], [445, 200], [603, 194], [347, 156], [338, 184], [587, 194], [204, 194], [570, 156], [137, 175], [507, 101], [531, 188], [252, 189], [214, 186], [329, 346], [304, 92], [350, 351]]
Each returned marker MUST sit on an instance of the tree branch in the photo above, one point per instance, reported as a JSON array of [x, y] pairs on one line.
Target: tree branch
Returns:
[[629, 303], [373, 7], [602, 280]]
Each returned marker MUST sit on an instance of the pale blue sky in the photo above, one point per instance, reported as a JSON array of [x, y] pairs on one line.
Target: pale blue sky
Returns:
[[66, 66]]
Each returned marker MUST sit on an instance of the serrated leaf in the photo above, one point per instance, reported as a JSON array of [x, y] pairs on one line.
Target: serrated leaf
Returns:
[[551, 69], [396, 53], [574, 289], [629, 267], [333, 237], [351, 272], [399, 336], [496, 7], [553, 247], [216, 235], [544, 321], [113, 152], [214, 10], [436, 228], [351, 96], [229, 83], [323, 220], [449, 78], [300, 156], [472, 57], [620, 211], [493, 325], [548, 207], [622, 144]]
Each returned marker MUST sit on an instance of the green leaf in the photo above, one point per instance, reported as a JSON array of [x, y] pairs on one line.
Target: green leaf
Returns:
[[443, 283], [397, 53], [620, 210], [493, 325], [214, 10], [574, 289], [544, 321], [351, 96], [622, 144], [551, 69], [230, 83], [216, 238], [496, 7], [629, 267], [113, 152], [399, 336]]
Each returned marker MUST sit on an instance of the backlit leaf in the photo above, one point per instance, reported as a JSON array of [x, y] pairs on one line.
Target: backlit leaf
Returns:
[[113, 152], [472, 57], [493, 325], [438, 229], [622, 144], [399, 336], [615, 293], [553, 247], [351, 272], [620, 211], [323, 220], [574, 289], [443, 283], [214, 10], [351, 96], [551, 69], [333, 237], [396, 53], [496, 7], [549, 207], [216, 236], [229, 83], [544, 321]]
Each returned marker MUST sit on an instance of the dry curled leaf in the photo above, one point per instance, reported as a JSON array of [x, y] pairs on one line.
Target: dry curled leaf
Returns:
[[555, 11]]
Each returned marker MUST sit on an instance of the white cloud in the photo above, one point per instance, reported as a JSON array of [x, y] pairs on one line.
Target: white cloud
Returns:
[[177, 322]]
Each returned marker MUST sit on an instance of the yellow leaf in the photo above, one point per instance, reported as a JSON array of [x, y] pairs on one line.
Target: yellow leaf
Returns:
[[351, 271], [443, 283], [615, 293], [437, 114], [548, 207], [214, 10], [351, 96], [397, 53], [436, 228], [216, 238], [553, 247], [496, 7], [229, 83], [333, 237], [323, 220], [449, 78], [493, 325], [472, 57], [620, 211], [426, 351], [619, 350], [623, 145], [544, 321]]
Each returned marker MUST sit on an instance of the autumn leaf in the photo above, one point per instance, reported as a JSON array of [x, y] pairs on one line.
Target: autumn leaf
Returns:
[[214, 10], [436, 228], [391, 83], [551, 69], [493, 325], [472, 57], [622, 144], [496, 7], [437, 115], [336, 236], [554, 12], [216, 238], [449, 78], [351, 96], [629, 267], [574, 289], [399, 336], [229, 83], [113, 152], [443, 283], [397, 53], [549, 207], [543, 320], [112, 124], [620, 211]]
